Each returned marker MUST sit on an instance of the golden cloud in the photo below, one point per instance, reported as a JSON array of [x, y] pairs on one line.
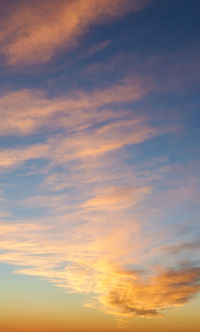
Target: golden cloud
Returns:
[[96, 267]]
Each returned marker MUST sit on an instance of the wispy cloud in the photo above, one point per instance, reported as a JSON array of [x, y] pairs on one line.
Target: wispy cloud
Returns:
[[93, 233], [93, 262], [117, 197], [25, 111], [97, 182], [33, 31], [93, 237]]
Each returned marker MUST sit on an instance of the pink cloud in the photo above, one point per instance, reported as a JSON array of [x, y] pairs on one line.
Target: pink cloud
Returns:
[[34, 31]]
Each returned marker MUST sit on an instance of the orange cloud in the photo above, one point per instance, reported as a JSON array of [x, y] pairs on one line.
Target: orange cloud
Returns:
[[25, 111], [117, 197], [33, 31], [14, 157], [91, 232], [90, 125], [96, 266], [129, 296], [83, 144]]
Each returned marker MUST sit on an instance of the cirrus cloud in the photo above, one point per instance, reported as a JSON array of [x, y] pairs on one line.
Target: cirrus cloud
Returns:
[[34, 30]]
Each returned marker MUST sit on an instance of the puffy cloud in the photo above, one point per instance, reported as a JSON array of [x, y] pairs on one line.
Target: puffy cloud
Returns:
[[34, 30]]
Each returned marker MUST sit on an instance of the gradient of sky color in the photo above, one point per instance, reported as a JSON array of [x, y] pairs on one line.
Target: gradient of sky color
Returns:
[[99, 165]]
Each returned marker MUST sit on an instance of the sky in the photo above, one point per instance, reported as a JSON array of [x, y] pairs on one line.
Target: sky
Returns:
[[99, 165]]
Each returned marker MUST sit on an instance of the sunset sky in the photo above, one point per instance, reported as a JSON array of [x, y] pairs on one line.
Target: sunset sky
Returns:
[[99, 165]]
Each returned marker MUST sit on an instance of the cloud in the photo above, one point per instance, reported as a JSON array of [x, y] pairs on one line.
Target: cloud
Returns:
[[188, 246], [88, 180], [34, 31], [117, 198], [97, 48], [15, 157], [25, 111], [82, 144], [91, 238], [96, 266], [89, 123], [96, 246], [130, 296]]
